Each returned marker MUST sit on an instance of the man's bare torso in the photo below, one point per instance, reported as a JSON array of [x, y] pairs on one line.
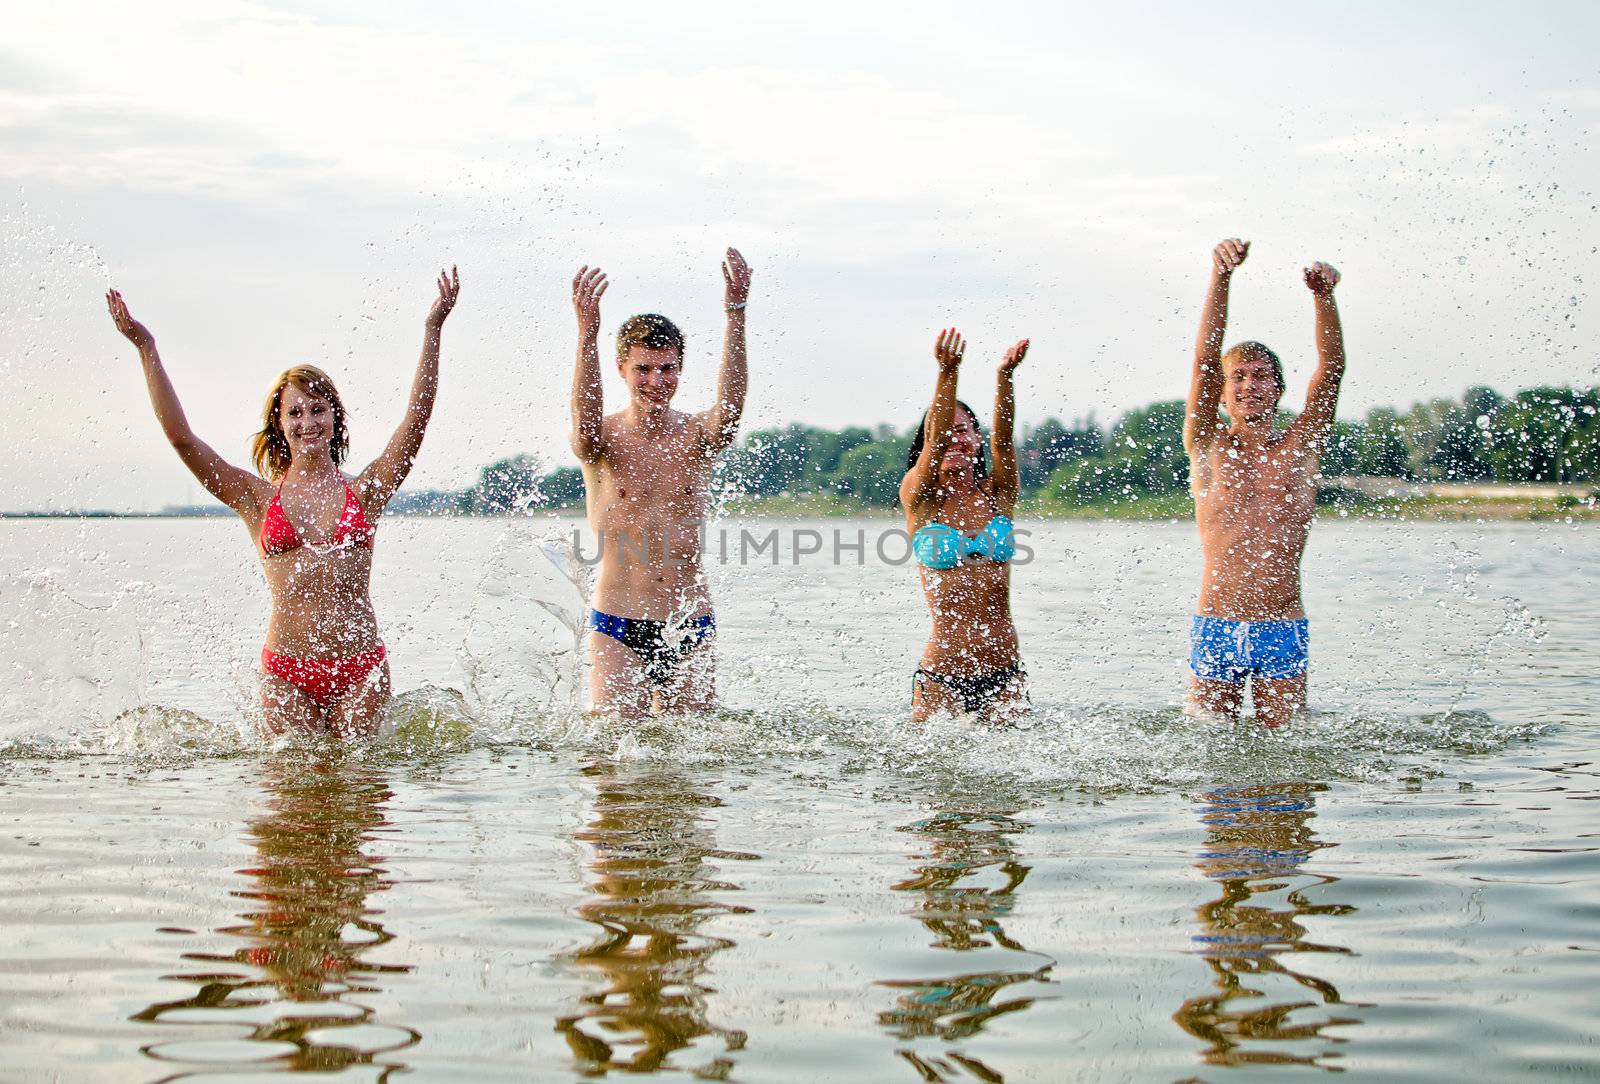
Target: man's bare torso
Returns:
[[648, 497], [1253, 505]]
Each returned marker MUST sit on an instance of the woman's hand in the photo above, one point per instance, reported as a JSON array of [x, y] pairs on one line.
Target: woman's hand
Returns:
[[449, 290], [1013, 358], [949, 349], [136, 333]]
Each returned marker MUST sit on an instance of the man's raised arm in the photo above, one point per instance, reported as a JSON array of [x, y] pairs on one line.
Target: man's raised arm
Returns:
[[722, 420], [1205, 388], [588, 402], [1312, 427]]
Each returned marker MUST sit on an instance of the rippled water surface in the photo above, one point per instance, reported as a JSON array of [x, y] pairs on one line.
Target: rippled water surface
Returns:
[[803, 886]]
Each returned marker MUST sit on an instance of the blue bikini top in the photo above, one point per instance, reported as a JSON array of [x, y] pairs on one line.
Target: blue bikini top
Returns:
[[940, 546]]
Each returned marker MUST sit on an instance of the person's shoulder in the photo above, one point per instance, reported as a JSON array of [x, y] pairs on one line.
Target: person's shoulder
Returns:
[[367, 490], [611, 434], [262, 491], [690, 428]]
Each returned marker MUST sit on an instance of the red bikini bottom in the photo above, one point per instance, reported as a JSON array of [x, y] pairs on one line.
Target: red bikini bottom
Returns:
[[324, 680]]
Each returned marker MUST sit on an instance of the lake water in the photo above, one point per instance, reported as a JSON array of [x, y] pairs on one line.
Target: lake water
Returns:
[[803, 887]]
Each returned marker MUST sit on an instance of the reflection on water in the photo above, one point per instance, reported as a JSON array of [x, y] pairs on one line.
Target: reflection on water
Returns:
[[1262, 1012], [650, 848], [290, 997], [965, 886]]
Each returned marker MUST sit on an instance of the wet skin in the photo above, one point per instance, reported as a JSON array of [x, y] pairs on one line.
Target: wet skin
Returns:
[[647, 477], [648, 499], [321, 598], [1254, 486], [970, 604], [321, 591]]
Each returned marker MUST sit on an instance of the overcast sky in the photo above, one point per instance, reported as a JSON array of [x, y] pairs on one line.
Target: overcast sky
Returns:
[[277, 183]]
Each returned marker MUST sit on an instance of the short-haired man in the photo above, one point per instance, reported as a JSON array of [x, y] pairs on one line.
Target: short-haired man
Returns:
[[647, 471], [1254, 491]]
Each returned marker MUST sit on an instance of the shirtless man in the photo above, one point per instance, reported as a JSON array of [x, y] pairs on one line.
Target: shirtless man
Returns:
[[1254, 491], [647, 472]]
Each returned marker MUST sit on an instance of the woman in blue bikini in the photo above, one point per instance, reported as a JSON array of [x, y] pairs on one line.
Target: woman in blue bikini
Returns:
[[958, 511]]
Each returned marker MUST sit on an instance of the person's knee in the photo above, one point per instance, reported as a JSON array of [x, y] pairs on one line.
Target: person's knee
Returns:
[[1216, 696], [622, 692], [1277, 705], [285, 708], [1273, 716]]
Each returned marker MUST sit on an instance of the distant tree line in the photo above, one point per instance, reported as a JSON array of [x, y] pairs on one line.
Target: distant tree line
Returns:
[[1539, 435]]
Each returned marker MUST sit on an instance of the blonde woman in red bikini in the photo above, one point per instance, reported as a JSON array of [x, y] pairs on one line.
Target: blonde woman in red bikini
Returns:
[[323, 667]]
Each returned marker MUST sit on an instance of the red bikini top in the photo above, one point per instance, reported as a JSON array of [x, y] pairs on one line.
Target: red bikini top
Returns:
[[279, 536]]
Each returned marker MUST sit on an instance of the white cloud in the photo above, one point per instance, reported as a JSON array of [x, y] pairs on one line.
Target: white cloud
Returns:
[[275, 184]]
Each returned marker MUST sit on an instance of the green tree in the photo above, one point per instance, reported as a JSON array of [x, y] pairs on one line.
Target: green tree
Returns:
[[1342, 457], [1438, 435], [1050, 444], [768, 462], [561, 488], [1149, 441], [872, 471], [1090, 481], [1585, 449], [1544, 435], [1383, 447], [1458, 454], [504, 485], [828, 449], [1481, 403], [794, 459]]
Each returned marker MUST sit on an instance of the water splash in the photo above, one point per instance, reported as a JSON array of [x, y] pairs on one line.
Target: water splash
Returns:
[[1104, 750], [522, 650], [69, 654], [168, 736], [82, 685]]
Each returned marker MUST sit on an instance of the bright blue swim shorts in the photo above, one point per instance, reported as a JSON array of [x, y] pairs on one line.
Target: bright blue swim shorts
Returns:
[[1223, 650]]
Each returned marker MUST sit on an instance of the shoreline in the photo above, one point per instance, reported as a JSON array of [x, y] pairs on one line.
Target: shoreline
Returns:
[[1402, 507]]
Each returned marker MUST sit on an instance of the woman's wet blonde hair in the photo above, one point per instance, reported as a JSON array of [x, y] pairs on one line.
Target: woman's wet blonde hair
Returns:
[[270, 448]]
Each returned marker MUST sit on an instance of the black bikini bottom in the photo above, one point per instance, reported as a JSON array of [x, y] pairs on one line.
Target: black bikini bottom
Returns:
[[658, 649], [975, 691]]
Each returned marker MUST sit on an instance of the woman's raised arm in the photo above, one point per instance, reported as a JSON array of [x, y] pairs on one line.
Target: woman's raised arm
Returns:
[[384, 474], [917, 487], [233, 486], [1002, 442]]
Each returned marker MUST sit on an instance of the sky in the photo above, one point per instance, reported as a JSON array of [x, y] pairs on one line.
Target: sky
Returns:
[[278, 183]]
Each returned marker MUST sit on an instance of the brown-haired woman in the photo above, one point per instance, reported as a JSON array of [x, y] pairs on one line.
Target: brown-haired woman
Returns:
[[323, 666], [958, 513]]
